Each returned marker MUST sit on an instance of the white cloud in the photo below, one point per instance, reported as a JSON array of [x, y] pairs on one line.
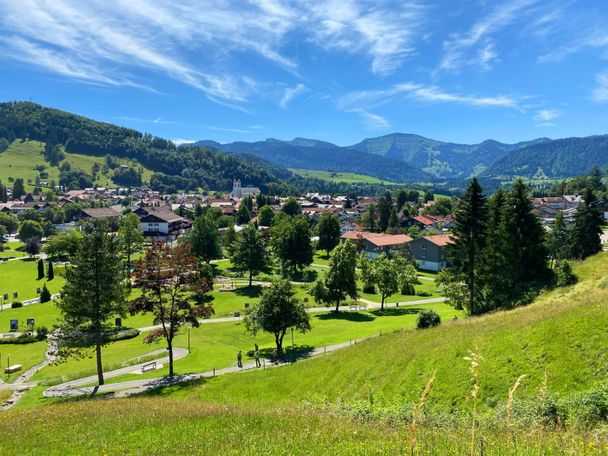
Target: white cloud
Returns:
[[372, 121], [600, 93], [290, 93], [180, 141], [457, 48], [374, 98], [544, 118], [231, 130]]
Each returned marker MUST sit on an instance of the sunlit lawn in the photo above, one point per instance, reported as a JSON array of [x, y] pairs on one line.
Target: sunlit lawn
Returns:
[[21, 276]]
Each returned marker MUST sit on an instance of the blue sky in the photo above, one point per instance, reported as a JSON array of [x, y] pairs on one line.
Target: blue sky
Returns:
[[340, 71]]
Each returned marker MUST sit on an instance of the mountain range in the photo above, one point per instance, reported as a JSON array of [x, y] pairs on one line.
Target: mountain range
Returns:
[[403, 157]]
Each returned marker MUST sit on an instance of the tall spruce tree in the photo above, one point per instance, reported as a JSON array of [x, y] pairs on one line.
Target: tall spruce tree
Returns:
[[585, 240], [384, 213], [469, 240], [523, 244], [95, 291], [40, 269], [558, 239]]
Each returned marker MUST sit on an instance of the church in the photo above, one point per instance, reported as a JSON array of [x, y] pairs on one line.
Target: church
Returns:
[[242, 192]]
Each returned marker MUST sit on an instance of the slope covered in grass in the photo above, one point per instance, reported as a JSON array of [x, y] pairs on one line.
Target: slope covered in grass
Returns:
[[563, 333]]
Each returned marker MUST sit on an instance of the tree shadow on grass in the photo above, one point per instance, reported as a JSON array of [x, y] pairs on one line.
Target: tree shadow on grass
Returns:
[[167, 387], [348, 316], [253, 291], [396, 311]]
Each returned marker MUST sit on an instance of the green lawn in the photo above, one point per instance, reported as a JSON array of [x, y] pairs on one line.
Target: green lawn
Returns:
[[20, 159], [13, 250], [427, 286], [21, 276]]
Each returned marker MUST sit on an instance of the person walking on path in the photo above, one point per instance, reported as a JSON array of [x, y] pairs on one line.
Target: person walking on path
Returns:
[[256, 354], [239, 359]]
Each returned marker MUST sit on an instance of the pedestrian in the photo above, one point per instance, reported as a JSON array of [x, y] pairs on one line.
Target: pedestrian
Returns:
[[257, 358], [255, 347], [239, 359]]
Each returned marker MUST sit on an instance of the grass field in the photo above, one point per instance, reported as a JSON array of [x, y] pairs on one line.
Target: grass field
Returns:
[[13, 250], [21, 158], [21, 276], [348, 178]]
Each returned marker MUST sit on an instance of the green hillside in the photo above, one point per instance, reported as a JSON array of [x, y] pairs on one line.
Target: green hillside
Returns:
[[357, 400], [25, 160], [349, 178]]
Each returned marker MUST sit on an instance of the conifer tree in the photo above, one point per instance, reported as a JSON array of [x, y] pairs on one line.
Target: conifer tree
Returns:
[[585, 240], [50, 271], [40, 269], [469, 240]]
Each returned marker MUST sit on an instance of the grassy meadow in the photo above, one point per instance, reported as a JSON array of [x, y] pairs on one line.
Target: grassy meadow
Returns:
[[348, 178]]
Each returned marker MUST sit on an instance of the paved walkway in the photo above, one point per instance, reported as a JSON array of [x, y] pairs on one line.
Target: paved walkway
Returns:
[[77, 388], [128, 388]]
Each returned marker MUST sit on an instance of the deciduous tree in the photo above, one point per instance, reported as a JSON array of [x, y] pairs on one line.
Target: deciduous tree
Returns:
[[249, 252], [329, 232]]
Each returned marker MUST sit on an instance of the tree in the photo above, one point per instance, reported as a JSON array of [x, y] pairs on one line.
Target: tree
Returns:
[[63, 245], [32, 246], [384, 213], [277, 311], [40, 269], [9, 221], [393, 220], [249, 252], [243, 215], [558, 239], [453, 287], [414, 232], [45, 294], [329, 232], [30, 229], [340, 281], [291, 207], [247, 202], [95, 291], [130, 236], [230, 239], [369, 218], [265, 216], [291, 243], [469, 239], [204, 239], [389, 275], [18, 189], [50, 271], [585, 239], [173, 289]]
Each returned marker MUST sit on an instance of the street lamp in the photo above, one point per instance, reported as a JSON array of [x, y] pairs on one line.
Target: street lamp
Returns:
[[189, 337], [293, 346]]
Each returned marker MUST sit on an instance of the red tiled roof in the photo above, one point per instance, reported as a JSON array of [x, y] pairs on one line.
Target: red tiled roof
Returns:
[[390, 239], [440, 239], [424, 220]]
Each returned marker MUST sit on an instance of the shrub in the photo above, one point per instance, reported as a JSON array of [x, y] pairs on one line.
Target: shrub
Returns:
[[369, 288], [45, 294], [427, 319], [16, 305], [565, 276], [123, 334], [423, 293], [408, 290]]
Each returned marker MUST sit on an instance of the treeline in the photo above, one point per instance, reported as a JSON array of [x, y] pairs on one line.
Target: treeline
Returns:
[[187, 168], [500, 255]]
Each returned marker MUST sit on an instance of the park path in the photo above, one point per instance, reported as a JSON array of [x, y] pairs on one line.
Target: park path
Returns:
[[128, 388], [368, 304], [77, 388]]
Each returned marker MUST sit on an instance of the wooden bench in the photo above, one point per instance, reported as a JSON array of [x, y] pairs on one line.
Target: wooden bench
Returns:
[[12, 369], [148, 367]]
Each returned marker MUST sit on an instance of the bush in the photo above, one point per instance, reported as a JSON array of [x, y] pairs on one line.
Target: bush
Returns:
[[427, 319], [123, 334], [565, 276], [16, 305], [408, 290], [423, 293], [370, 289], [45, 294]]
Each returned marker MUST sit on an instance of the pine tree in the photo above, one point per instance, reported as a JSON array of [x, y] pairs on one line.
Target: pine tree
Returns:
[[393, 221], [40, 269], [45, 294], [130, 236], [585, 239], [469, 240], [95, 291], [558, 242], [50, 271], [384, 213]]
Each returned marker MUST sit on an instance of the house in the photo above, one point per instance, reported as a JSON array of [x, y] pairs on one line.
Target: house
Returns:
[[161, 223], [429, 251], [421, 221], [96, 213], [242, 192], [373, 244]]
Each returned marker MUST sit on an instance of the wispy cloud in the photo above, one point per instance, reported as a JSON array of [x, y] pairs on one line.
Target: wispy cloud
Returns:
[[180, 141], [160, 120], [457, 49], [545, 117], [372, 121], [290, 93], [374, 98], [600, 93]]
